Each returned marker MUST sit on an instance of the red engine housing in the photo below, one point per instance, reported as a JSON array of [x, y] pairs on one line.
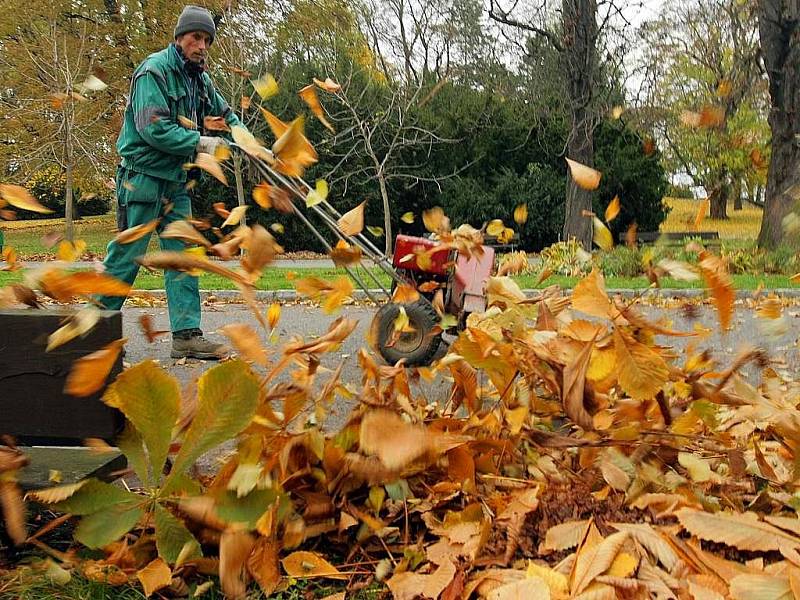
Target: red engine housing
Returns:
[[406, 248]]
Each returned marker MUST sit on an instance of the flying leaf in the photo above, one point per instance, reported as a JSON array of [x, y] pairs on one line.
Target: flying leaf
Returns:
[[573, 387], [702, 209], [246, 341], [329, 85], [247, 142], [184, 231], [212, 123], [309, 95], [154, 576], [93, 84], [134, 233], [13, 510], [602, 236], [236, 215], [18, 196], [149, 331], [210, 164], [234, 549], [376, 231], [186, 122], [407, 217], [589, 296], [277, 227], [265, 86], [721, 286], [319, 194], [616, 112], [352, 222], [273, 314], [405, 294], [89, 373], [245, 102], [79, 324], [585, 177], [678, 270], [521, 214], [70, 251], [343, 254], [612, 210], [64, 287], [435, 221], [292, 151], [310, 564]]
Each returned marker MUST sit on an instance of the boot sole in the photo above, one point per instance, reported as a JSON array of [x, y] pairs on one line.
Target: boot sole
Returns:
[[197, 355]]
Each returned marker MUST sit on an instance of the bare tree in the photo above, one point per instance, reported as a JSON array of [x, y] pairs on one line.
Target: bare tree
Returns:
[[779, 29], [575, 32], [48, 106]]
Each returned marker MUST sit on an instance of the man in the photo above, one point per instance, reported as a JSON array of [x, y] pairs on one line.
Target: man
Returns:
[[168, 87]]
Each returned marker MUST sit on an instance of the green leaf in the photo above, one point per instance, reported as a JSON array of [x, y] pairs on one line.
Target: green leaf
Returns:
[[95, 496], [246, 509], [101, 528], [130, 444], [227, 399], [150, 398], [172, 536]]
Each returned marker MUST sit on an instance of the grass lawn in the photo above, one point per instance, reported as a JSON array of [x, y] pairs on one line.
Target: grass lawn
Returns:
[[26, 236], [741, 225], [284, 279]]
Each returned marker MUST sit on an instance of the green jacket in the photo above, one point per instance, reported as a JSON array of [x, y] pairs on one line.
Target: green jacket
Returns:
[[152, 141]]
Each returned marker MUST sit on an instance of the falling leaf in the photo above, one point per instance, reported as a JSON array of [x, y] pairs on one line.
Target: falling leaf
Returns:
[[246, 342], [521, 214], [70, 251], [234, 549], [236, 215], [185, 231], [649, 146], [309, 95], [352, 222], [722, 292], [631, 235], [616, 112], [212, 123], [79, 324], [93, 84], [612, 210], [209, 164], [277, 228], [310, 564], [18, 196], [149, 331], [89, 373], [641, 371], [247, 142], [376, 231], [273, 314], [678, 270], [708, 117], [262, 565], [154, 576], [13, 510], [343, 254], [407, 217], [585, 177], [292, 151], [331, 294], [702, 209], [186, 122], [245, 102], [329, 85], [435, 221], [319, 194], [134, 233], [65, 286], [724, 88], [405, 294], [265, 86], [602, 236]]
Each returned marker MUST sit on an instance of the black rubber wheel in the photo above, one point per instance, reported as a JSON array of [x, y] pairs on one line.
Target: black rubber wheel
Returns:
[[418, 347]]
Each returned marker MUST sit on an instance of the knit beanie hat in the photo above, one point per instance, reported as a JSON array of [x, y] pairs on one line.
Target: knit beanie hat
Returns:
[[195, 18]]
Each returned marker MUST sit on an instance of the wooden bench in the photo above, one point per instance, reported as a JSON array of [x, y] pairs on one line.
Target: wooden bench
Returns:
[[49, 425], [675, 238]]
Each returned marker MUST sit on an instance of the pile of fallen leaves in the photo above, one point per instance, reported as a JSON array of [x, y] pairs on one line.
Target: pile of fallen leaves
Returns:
[[575, 456]]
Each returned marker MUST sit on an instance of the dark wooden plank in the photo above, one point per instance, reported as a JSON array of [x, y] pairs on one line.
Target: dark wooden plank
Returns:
[[33, 405], [672, 236]]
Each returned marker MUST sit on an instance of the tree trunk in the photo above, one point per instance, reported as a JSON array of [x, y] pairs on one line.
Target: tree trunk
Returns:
[[69, 233], [778, 29], [580, 58], [718, 201], [387, 216]]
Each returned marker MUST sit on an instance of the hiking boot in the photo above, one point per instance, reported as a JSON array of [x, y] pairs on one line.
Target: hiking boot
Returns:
[[197, 346]]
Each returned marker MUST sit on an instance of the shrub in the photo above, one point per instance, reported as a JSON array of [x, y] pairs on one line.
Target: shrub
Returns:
[[622, 262], [566, 258], [48, 186]]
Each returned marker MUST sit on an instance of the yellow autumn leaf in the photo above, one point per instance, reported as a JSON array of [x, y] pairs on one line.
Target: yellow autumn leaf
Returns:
[[273, 314], [19, 197], [642, 372], [265, 86], [612, 210], [407, 217], [521, 214], [236, 216], [352, 222], [310, 564], [318, 195], [602, 235], [585, 177], [154, 576], [495, 227]]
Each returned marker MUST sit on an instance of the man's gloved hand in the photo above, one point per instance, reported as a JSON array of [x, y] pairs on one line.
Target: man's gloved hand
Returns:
[[209, 143]]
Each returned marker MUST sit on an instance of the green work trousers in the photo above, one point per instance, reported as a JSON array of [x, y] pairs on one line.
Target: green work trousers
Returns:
[[140, 199]]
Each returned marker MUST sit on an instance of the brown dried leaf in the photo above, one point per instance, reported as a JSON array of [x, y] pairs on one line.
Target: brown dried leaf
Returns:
[[585, 177], [246, 342], [155, 576], [89, 373], [352, 222], [13, 510], [137, 232], [263, 565], [19, 197], [209, 164], [184, 231], [215, 124], [309, 95], [741, 530], [234, 551], [641, 371], [573, 388], [310, 564]]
